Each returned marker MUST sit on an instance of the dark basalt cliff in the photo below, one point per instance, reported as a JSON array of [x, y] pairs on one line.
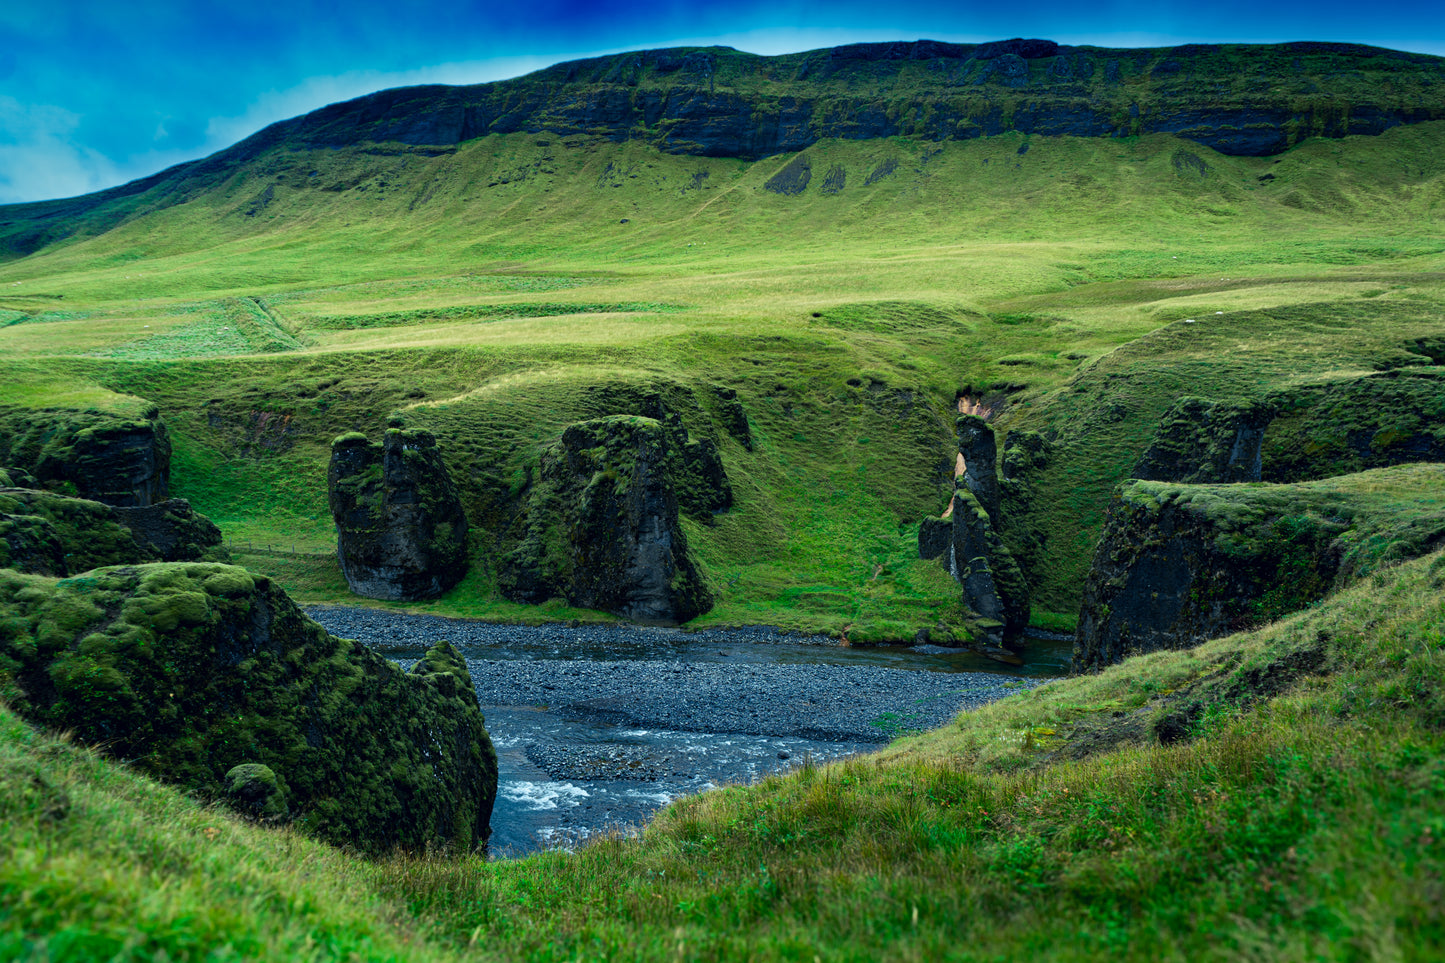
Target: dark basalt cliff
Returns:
[[719, 102], [188, 671], [401, 533], [91, 454], [1179, 564], [48, 534]]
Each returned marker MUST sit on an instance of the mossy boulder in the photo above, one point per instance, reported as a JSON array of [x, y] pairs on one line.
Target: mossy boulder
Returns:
[[602, 525], [1180, 564], [253, 790], [96, 455], [401, 533], [49, 534], [187, 670]]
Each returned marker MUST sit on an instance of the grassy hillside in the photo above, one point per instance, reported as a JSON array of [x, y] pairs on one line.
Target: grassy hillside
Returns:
[[496, 293], [1272, 795]]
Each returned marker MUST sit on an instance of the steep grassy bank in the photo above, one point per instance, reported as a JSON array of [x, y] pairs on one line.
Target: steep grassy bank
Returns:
[[1294, 813]]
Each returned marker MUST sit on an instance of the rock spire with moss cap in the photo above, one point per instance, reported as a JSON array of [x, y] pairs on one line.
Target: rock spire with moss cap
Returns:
[[401, 533]]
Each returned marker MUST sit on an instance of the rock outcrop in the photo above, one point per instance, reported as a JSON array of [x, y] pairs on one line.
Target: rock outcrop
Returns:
[[1180, 564], [401, 533], [48, 534], [602, 526], [1202, 441], [94, 455], [1306, 432], [979, 449], [188, 670], [992, 584], [1391, 418], [968, 545]]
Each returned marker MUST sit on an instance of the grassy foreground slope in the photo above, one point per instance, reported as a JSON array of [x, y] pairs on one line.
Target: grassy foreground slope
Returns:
[[1271, 795], [495, 293]]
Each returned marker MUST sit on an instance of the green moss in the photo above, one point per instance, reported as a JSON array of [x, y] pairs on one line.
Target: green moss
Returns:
[[191, 669]]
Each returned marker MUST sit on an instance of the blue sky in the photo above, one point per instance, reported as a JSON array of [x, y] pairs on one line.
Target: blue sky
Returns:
[[93, 94]]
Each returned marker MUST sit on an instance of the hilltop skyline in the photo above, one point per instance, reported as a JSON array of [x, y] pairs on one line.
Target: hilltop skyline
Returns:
[[92, 96]]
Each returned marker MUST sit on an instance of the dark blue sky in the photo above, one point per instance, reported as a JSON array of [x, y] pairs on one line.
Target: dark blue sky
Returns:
[[97, 92]]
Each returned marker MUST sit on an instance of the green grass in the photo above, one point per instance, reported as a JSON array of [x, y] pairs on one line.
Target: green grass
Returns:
[[493, 315], [1274, 795], [1294, 814]]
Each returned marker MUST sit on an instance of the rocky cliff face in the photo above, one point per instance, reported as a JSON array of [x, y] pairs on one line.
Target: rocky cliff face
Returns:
[[190, 670], [49, 534], [718, 102], [102, 457], [968, 544], [602, 528], [1179, 564], [1208, 441], [1306, 432], [1392, 418], [401, 533]]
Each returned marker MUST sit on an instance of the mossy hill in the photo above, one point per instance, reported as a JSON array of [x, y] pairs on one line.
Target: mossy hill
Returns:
[[720, 102]]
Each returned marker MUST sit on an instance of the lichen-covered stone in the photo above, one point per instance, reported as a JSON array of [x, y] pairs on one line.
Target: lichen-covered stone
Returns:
[[49, 534], [602, 525], [1203, 441], [253, 790], [95, 455], [187, 670], [1179, 564], [401, 532], [993, 586]]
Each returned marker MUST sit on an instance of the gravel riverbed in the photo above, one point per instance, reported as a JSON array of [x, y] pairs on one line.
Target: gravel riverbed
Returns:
[[596, 726], [684, 681]]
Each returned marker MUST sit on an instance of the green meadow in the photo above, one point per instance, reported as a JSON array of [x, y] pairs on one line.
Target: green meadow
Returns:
[[498, 293], [1171, 808]]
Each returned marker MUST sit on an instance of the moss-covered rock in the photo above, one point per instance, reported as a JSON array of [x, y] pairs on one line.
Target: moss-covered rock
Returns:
[[993, 586], [96, 455], [401, 532], [1179, 564], [602, 527], [1354, 424], [1202, 441], [188, 670], [979, 448], [49, 534], [252, 789]]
